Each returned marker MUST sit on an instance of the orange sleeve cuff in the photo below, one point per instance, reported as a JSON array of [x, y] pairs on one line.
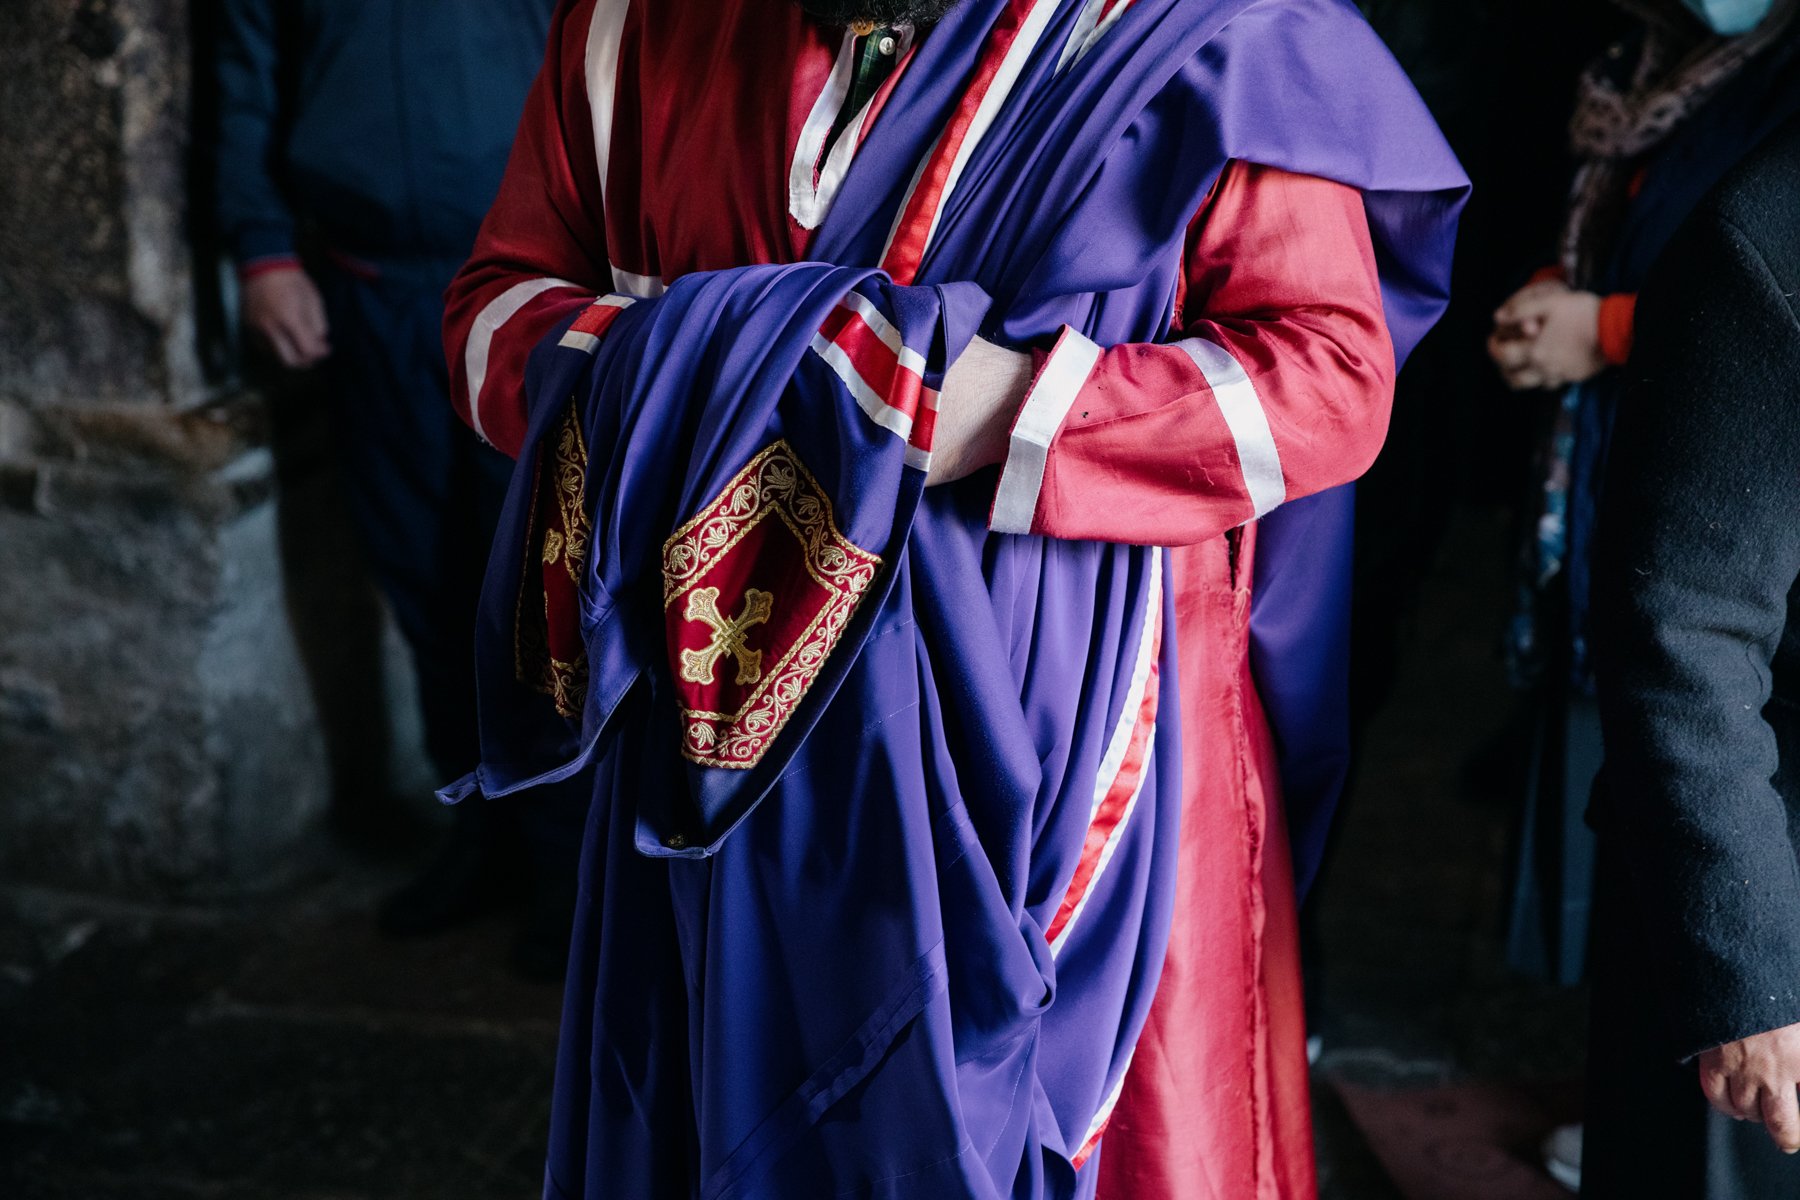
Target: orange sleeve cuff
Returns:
[[1552, 274], [1618, 321], [251, 268]]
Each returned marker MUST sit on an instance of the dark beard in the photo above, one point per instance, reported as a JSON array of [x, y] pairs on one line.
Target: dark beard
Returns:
[[882, 12]]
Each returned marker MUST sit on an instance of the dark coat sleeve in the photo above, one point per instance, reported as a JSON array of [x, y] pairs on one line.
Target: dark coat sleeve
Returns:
[[254, 219], [1700, 545]]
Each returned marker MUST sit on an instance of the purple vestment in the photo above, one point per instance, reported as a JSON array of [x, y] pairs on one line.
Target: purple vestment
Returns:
[[895, 933]]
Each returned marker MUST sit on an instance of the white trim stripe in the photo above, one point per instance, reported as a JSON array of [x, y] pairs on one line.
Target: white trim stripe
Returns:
[[810, 198], [1103, 27], [1011, 67], [1242, 409], [606, 35], [903, 252], [1097, 1126], [912, 187], [587, 340], [643, 287], [1116, 749], [876, 320], [1077, 45], [867, 398], [498, 312], [1046, 406], [805, 203], [606, 31], [1110, 847], [1126, 763], [885, 376]]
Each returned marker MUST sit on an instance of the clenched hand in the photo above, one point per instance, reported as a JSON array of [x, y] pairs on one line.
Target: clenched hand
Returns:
[[1758, 1079], [284, 309], [1547, 336]]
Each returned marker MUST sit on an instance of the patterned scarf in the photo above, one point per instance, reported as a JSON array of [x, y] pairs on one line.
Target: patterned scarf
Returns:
[[1677, 71], [1616, 124]]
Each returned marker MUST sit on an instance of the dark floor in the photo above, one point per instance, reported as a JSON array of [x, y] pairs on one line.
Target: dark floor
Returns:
[[1416, 994], [281, 1051]]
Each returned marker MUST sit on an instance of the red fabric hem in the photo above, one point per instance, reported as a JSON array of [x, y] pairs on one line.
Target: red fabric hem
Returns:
[[1216, 1106]]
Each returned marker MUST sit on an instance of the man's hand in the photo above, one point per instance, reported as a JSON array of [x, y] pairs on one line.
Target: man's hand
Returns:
[[1547, 336], [284, 309], [1757, 1079], [982, 393]]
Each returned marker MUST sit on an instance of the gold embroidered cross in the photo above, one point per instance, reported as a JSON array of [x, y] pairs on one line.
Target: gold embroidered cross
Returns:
[[729, 635]]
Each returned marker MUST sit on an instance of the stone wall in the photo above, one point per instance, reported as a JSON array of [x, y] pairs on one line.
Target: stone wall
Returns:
[[156, 735]]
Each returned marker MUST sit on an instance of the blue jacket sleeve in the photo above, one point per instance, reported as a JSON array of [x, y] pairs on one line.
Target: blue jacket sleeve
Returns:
[[254, 219]]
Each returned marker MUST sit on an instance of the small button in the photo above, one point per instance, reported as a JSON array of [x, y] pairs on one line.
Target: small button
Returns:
[[886, 46], [675, 841]]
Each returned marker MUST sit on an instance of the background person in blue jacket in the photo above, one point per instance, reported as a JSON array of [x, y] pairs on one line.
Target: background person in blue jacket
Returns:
[[359, 144]]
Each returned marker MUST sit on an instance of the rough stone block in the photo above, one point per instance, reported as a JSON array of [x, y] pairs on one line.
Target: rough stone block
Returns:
[[156, 731], [95, 289], [155, 727]]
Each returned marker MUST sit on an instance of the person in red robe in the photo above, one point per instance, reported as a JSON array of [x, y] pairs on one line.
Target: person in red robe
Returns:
[[663, 140]]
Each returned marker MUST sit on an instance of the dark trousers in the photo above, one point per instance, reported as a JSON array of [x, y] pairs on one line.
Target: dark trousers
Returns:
[[424, 493], [1650, 1133], [1553, 877]]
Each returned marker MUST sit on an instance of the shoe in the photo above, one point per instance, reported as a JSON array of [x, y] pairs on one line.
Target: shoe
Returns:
[[478, 871], [1562, 1156]]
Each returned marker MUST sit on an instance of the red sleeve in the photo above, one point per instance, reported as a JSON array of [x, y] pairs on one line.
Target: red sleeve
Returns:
[[1618, 325], [1279, 384], [541, 252]]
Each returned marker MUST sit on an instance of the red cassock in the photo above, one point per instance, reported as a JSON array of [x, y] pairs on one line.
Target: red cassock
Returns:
[[1275, 383]]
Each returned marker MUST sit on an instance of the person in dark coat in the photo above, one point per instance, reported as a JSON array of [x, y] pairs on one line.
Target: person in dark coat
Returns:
[[359, 145], [1697, 628], [1659, 119]]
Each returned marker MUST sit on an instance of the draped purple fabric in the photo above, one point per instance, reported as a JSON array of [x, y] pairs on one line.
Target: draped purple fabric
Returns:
[[852, 965]]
